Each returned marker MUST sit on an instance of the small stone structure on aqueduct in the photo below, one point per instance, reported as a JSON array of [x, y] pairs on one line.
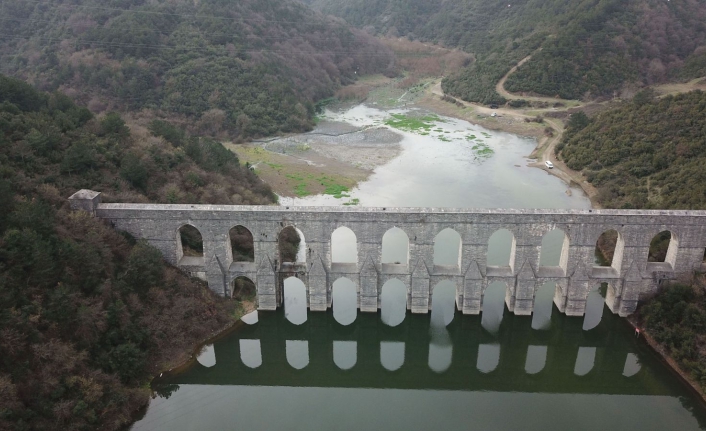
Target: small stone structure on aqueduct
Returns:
[[629, 278]]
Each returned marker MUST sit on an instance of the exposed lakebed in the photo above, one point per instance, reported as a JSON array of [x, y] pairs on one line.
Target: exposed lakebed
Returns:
[[410, 157]]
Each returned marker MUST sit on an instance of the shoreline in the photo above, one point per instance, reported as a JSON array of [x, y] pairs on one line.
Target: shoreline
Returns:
[[668, 361], [512, 121]]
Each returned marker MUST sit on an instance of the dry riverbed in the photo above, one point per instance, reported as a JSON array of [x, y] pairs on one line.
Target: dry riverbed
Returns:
[[332, 159]]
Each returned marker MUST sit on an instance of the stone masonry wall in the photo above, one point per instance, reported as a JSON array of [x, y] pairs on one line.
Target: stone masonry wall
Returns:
[[630, 278]]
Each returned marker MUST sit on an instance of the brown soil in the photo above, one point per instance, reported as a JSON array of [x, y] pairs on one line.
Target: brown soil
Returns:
[[340, 164]]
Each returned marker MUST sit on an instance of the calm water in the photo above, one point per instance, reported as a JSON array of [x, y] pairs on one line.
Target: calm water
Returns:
[[422, 374], [294, 369]]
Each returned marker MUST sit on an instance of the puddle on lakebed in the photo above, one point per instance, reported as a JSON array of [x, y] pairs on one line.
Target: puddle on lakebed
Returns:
[[445, 162]]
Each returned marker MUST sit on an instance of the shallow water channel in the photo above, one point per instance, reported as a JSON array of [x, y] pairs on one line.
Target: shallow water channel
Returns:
[[300, 370]]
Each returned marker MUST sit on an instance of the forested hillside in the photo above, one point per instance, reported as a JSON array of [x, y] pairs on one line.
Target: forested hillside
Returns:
[[649, 153], [87, 314], [590, 48], [241, 68]]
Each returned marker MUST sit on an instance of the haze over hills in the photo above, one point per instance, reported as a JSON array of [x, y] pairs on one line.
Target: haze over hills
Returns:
[[589, 48], [247, 68]]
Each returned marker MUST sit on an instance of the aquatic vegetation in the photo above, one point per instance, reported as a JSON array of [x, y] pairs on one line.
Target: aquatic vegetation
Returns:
[[482, 151], [410, 124], [471, 137], [354, 201]]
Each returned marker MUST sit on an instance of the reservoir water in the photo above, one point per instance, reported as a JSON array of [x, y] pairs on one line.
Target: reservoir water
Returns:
[[340, 370]]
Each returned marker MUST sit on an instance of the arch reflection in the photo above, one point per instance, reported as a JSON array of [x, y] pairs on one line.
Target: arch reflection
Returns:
[[251, 353], [392, 355], [585, 359], [207, 357], [536, 359], [632, 365], [297, 353], [345, 354], [488, 357]]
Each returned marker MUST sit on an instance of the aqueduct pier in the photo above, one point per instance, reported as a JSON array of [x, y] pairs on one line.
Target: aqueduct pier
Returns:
[[630, 276]]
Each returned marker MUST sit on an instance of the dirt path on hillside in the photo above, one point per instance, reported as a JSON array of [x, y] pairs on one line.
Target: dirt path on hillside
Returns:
[[681, 87]]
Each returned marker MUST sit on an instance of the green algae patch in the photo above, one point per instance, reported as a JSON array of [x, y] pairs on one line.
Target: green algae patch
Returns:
[[482, 151], [333, 187], [411, 124]]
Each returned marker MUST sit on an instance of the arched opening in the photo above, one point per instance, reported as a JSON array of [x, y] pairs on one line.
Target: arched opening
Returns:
[[585, 360], [447, 249], [207, 356], [251, 353], [632, 365], [189, 246], [488, 357], [345, 301], [292, 247], [395, 247], [536, 359], [609, 249], [663, 249], [595, 303], [543, 306], [443, 304], [344, 246], [501, 251], [295, 300], [242, 245], [393, 302], [297, 353], [345, 354], [555, 250], [244, 291], [392, 355], [493, 306]]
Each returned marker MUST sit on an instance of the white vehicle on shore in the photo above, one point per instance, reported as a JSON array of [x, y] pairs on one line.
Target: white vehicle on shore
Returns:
[[549, 164]]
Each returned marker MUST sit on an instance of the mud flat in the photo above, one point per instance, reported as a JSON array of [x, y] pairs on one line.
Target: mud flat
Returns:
[[331, 159]]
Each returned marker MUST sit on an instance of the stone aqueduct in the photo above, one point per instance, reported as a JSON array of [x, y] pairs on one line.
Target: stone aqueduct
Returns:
[[629, 278]]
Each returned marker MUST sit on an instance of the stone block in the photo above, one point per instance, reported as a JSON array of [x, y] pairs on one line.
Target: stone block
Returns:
[[267, 302], [369, 304]]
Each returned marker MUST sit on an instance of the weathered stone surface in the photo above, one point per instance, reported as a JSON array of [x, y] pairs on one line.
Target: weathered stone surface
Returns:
[[630, 275]]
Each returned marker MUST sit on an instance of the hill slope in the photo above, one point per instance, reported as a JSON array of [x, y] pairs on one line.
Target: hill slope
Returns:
[[87, 315], [646, 154], [246, 68], [590, 48]]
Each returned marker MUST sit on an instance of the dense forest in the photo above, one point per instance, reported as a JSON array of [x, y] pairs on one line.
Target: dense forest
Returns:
[[589, 48], [239, 69], [87, 314], [649, 153]]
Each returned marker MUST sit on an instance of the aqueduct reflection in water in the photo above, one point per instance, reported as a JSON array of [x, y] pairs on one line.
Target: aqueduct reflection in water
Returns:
[[462, 355]]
